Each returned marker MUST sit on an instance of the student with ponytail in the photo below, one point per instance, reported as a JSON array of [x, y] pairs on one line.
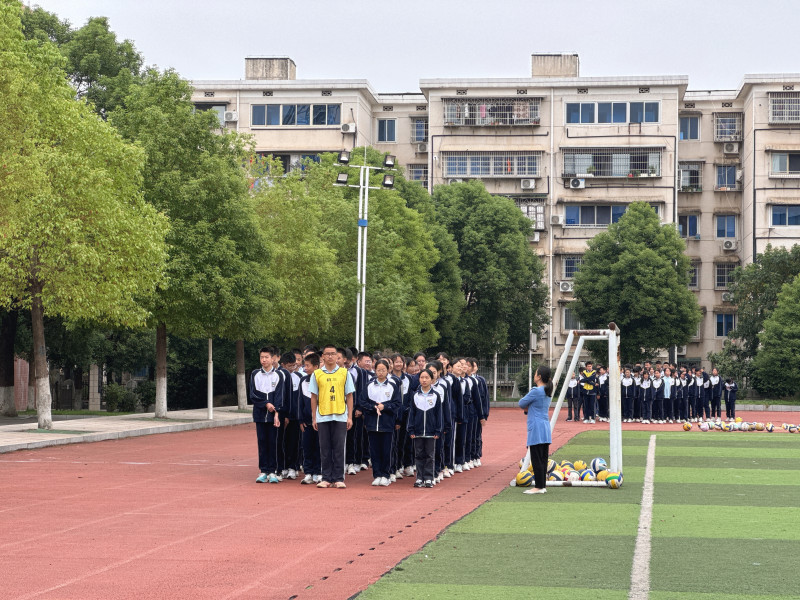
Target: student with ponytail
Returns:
[[536, 404]]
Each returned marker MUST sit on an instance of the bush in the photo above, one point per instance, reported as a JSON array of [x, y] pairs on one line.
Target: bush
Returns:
[[146, 391], [119, 398]]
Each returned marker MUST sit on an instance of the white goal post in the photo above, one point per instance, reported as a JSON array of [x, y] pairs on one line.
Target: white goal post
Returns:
[[612, 335]]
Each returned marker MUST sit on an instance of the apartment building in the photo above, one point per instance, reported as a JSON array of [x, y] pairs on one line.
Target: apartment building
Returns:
[[571, 151]]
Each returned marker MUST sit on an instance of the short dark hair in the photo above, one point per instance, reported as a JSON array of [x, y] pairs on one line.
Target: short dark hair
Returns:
[[312, 359], [418, 354], [326, 346], [268, 350], [288, 358], [362, 355]]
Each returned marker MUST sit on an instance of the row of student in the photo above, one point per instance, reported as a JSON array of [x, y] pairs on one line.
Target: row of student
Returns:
[[653, 393], [332, 410]]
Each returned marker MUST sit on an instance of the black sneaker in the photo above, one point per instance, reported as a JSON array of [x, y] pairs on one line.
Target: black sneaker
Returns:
[[418, 483], [429, 484]]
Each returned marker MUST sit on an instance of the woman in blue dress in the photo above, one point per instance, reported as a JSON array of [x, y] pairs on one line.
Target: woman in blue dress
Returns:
[[536, 404]]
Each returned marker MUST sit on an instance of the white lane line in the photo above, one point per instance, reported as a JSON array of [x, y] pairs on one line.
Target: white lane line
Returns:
[[640, 572]]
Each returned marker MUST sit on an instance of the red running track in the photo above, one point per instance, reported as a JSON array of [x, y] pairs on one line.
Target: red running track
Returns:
[[180, 516]]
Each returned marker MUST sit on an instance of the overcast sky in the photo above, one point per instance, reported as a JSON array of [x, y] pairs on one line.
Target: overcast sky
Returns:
[[395, 44]]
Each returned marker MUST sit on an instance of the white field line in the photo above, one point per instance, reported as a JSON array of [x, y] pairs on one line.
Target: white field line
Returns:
[[640, 572]]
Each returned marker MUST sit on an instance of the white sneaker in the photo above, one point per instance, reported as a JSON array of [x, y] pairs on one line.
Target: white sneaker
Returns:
[[440, 478], [316, 478], [471, 464], [591, 421], [363, 467], [478, 463], [376, 481], [307, 480], [466, 466], [458, 469], [398, 474], [586, 421], [409, 471], [447, 473], [292, 474], [385, 482], [392, 478], [645, 422], [351, 470]]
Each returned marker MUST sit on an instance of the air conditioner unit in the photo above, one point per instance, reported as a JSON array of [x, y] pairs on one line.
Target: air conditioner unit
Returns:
[[556, 219], [533, 236], [348, 127], [730, 245], [566, 286], [739, 175], [727, 297], [681, 350], [422, 148], [577, 184], [231, 116], [730, 148], [527, 184]]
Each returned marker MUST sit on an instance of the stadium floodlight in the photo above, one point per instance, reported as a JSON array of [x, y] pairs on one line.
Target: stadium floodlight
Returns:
[[341, 179], [388, 181], [344, 157], [388, 162]]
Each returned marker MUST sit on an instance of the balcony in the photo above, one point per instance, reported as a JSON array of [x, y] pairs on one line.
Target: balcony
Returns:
[[491, 112]]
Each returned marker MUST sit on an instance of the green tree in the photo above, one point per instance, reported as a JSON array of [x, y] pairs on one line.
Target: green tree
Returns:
[[43, 26], [78, 240], [776, 367], [637, 275], [217, 270], [500, 274]]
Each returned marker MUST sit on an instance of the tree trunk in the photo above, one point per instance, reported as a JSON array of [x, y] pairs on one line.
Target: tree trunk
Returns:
[[8, 331], [31, 402], [43, 398], [161, 371], [241, 385]]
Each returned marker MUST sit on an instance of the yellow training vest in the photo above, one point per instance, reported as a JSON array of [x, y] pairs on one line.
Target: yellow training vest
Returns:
[[331, 399]]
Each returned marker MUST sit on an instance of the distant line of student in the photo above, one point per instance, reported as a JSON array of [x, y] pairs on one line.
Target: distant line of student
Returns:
[[330, 411], [659, 393]]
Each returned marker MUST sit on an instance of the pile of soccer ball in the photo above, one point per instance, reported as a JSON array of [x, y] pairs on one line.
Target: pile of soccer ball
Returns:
[[739, 425], [596, 470]]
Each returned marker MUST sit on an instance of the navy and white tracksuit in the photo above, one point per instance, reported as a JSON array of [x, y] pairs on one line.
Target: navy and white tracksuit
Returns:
[[266, 387]]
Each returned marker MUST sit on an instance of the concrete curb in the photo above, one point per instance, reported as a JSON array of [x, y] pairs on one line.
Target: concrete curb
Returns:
[[145, 429]]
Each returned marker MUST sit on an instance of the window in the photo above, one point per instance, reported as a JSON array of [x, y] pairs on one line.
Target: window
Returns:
[[612, 162], [492, 164], [691, 177], [533, 208], [419, 130], [612, 112], [694, 275], [386, 130], [593, 215], [726, 226], [785, 164], [726, 178], [570, 265], [724, 272], [785, 214], [728, 127], [690, 128], [725, 324], [784, 107], [295, 114], [486, 112], [571, 320], [418, 173], [217, 108], [687, 226]]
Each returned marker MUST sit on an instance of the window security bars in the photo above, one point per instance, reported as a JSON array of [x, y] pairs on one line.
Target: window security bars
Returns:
[[728, 127], [784, 107], [691, 177], [491, 164], [487, 112], [612, 162]]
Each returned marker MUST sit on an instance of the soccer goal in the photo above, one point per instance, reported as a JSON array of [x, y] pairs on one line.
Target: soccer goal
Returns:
[[612, 336]]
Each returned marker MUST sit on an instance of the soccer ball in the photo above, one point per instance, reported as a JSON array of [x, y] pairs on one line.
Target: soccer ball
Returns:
[[614, 480], [598, 464], [687, 426], [738, 419], [551, 465], [703, 426], [769, 428], [556, 476], [574, 476], [759, 427], [524, 479], [587, 475], [580, 465], [601, 476]]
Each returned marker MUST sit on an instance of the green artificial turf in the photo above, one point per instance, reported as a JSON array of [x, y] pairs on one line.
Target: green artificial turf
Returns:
[[726, 526]]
